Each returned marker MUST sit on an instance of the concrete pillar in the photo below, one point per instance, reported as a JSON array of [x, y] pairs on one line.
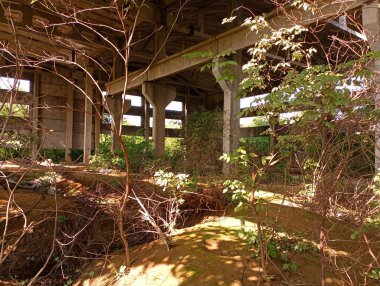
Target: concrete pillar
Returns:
[[371, 25], [231, 108], [35, 114], [159, 96], [69, 121], [87, 134], [117, 110], [98, 120], [146, 124]]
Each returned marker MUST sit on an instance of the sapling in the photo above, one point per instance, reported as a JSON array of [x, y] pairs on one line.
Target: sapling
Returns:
[[243, 194]]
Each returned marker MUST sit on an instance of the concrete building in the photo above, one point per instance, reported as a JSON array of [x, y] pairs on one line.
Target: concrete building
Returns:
[[57, 43]]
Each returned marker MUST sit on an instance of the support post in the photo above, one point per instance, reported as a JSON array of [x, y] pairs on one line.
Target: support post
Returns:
[[69, 121], [159, 96], [117, 110], [87, 139], [35, 114], [146, 119], [371, 25], [231, 108], [98, 120]]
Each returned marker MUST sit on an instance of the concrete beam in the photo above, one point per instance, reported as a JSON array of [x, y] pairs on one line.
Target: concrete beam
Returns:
[[32, 47], [237, 39], [159, 96], [40, 26]]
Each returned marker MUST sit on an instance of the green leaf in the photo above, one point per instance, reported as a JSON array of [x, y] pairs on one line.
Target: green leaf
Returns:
[[272, 250], [293, 267], [375, 274], [91, 274], [355, 235], [241, 206]]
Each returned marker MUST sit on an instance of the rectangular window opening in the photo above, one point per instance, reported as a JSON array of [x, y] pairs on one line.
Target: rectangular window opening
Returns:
[[169, 123], [132, 120], [175, 106], [9, 83], [135, 99], [253, 121], [253, 101], [173, 123]]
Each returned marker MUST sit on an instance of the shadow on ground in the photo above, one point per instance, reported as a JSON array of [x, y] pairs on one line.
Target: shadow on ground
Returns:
[[207, 254]]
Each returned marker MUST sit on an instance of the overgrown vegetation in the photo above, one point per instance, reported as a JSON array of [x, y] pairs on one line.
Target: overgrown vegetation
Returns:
[[202, 144], [336, 106], [140, 154], [326, 150]]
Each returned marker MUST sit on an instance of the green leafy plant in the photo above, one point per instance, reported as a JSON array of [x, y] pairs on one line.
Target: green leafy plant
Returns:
[[62, 219], [201, 144], [290, 266], [69, 282], [242, 194], [375, 274], [176, 185]]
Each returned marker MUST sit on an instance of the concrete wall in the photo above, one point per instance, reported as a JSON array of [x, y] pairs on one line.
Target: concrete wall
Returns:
[[53, 109]]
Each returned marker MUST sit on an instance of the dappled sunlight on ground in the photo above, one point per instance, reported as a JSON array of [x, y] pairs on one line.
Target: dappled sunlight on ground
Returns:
[[207, 254]]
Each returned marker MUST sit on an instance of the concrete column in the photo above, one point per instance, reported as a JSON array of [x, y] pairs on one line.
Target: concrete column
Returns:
[[231, 108], [146, 119], [371, 25], [117, 110], [69, 121], [376, 67], [87, 134], [98, 120], [159, 96], [35, 114]]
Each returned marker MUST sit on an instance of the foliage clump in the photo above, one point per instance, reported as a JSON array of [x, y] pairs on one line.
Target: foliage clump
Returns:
[[202, 142]]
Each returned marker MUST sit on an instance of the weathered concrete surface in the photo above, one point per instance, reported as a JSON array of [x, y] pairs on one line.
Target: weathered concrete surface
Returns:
[[159, 96]]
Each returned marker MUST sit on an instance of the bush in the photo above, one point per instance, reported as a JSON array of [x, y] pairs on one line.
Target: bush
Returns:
[[202, 142], [174, 154], [139, 153], [257, 145], [76, 155], [15, 145], [56, 155]]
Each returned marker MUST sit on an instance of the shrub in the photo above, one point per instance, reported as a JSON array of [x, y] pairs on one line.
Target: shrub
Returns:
[[202, 142], [56, 155], [15, 145], [76, 155], [257, 145], [139, 153]]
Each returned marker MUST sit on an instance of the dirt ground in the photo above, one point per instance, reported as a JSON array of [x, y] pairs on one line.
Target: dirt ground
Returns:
[[85, 208], [206, 252]]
